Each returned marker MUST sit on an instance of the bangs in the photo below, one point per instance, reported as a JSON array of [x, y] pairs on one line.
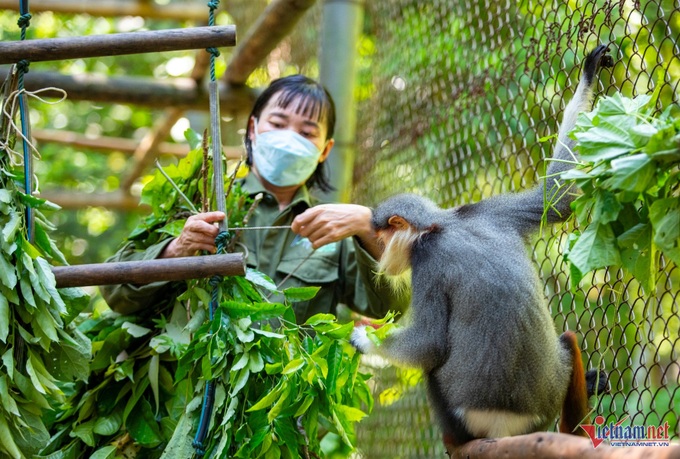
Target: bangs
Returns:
[[308, 101]]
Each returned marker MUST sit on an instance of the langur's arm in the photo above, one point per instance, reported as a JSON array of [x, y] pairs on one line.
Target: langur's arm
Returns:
[[421, 343]]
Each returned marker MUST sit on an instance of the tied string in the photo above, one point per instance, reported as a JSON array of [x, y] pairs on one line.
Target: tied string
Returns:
[[221, 241], [8, 111]]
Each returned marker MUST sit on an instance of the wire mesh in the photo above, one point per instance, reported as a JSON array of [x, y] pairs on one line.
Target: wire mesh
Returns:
[[460, 94]]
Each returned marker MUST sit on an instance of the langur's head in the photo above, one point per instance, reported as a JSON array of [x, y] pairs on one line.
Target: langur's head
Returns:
[[399, 222]]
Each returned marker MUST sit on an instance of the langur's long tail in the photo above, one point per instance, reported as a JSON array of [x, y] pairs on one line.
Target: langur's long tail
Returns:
[[564, 155], [575, 407]]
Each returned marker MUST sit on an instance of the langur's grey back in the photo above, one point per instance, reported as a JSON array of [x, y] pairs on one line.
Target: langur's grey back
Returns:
[[480, 326]]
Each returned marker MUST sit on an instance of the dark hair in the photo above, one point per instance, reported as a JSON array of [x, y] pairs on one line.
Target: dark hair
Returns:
[[314, 101]]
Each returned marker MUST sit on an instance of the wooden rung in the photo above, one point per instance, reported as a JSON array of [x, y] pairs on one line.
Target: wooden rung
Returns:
[[148, 271], [153, 41]]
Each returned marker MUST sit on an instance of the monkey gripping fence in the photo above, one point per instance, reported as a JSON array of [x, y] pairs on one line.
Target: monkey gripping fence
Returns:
[[457, 96]]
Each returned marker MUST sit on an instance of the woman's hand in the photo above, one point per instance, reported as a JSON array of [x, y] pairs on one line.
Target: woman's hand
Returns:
[[329, 223], [199, 233]]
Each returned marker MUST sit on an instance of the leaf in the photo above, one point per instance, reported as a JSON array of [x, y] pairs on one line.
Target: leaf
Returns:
[[76, 301], [293, 366], [309, 399], [320, 318], [105, 452], [350, 413], [8, 401], [632, 173], [260, 279], [280, 404], [193, 138], [47, 280], [135, 330], [154, 364], [241, 363], [4, 318], [108, 425], [256, 363], [142, 425], [268, 334], [8, 275], [603, 143], [11, 227], [256, 311], [664, 215], [269, 398], [85, 432], [334, 359], [297, 294], [240, 382], [70, 357], [595, 248], [7, 440]]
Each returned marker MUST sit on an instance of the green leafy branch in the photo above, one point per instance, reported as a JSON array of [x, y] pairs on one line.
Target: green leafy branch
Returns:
[[629, 211], [280, 386]]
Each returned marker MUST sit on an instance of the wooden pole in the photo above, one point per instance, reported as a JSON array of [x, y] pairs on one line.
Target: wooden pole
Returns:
[[148, 92], [148, 271], [275, 22], [152, 41], [116, 8], [545, 445]]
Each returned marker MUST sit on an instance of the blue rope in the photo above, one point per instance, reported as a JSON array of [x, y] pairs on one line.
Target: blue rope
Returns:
[[22, 68], [214, 52], [221, 241]]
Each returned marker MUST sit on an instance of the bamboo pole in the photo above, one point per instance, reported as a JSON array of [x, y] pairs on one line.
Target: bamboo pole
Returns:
[[148, 92], [545, 445], [275, 22], [148, 271], [118, 8], [151, 41]]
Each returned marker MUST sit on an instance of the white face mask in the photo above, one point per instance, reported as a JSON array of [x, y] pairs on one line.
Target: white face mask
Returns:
[[283, 157]]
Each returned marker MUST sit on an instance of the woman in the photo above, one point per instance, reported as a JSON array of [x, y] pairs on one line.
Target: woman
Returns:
[[288, 139]]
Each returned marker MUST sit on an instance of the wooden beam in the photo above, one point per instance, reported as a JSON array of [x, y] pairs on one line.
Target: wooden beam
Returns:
[[178, 92], [148, 271], [275, 22], [149, 41], [104, 144], [547, 445], [110, 144], [71, 199], [108, 8]]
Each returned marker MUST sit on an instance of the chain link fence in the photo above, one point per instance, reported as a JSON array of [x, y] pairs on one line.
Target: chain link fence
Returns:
[[456, 100]]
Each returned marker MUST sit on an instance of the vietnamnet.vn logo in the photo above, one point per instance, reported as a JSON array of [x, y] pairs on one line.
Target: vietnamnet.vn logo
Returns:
[[632, 435]]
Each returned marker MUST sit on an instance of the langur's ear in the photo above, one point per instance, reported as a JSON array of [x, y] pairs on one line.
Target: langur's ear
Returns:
[[399, 223]]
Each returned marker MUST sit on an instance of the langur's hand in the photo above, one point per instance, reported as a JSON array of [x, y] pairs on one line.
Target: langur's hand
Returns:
[[328, 223], [199, 233]]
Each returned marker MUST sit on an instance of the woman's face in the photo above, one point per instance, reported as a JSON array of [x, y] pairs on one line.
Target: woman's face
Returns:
[[275, 117]]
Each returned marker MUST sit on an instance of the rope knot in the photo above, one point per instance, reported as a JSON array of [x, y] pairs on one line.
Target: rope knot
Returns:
[[213, 51], [215, 282], [198, 446], [214, 4], [22, 66], [24, 20], [222, 240]]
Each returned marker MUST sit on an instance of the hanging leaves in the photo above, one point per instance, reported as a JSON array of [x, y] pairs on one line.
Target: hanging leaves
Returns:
[[630, 207], [43, 354]]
